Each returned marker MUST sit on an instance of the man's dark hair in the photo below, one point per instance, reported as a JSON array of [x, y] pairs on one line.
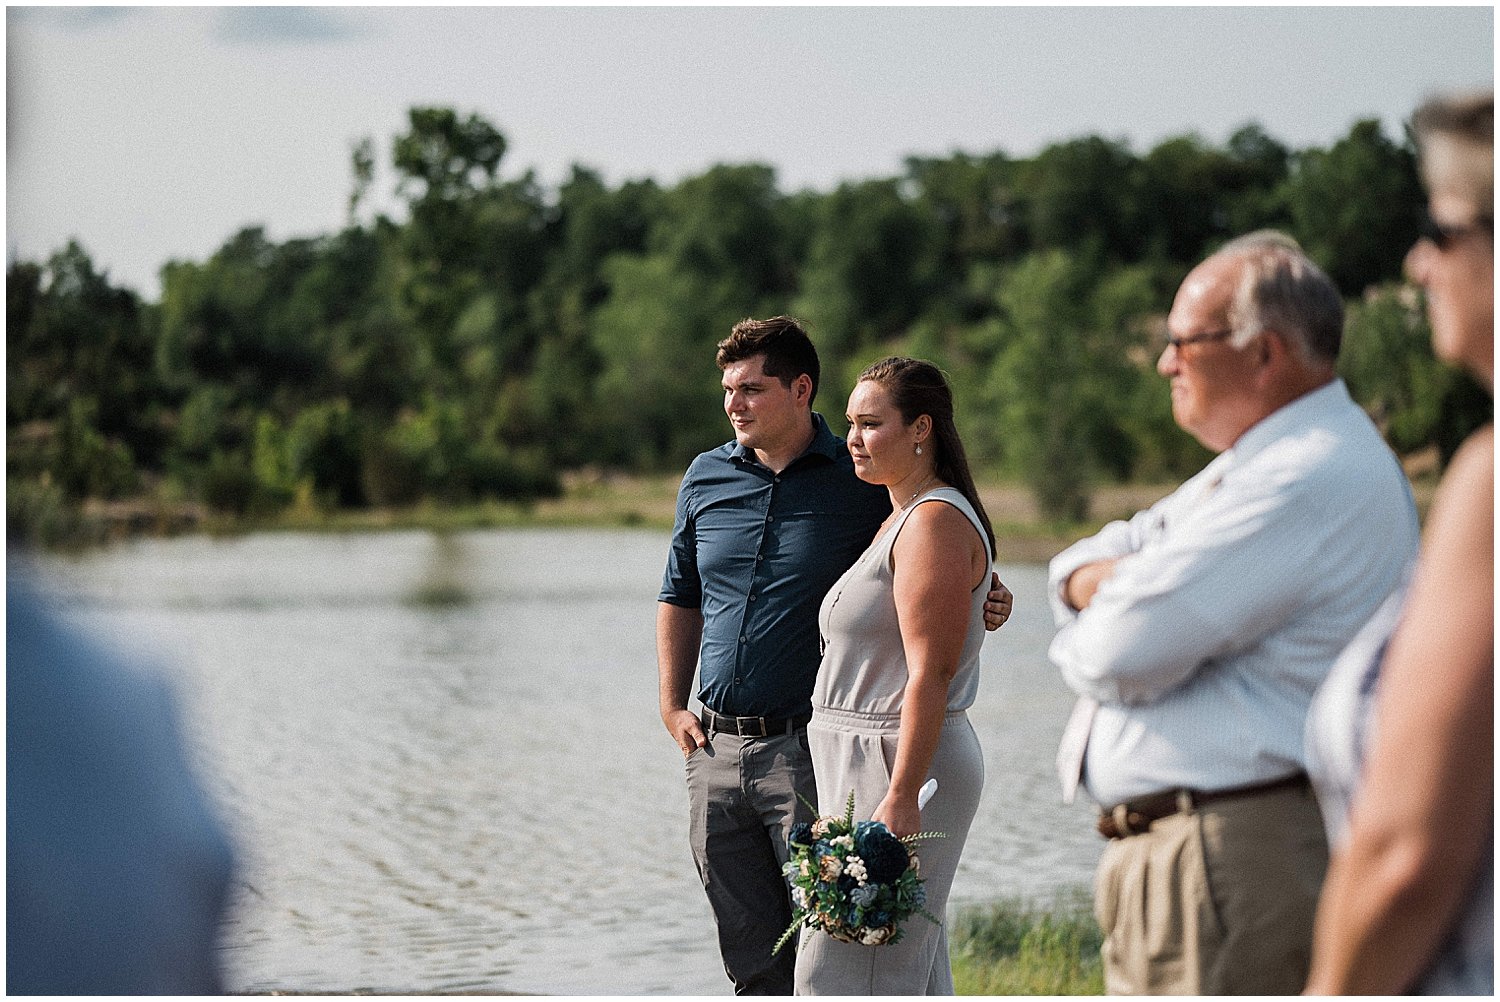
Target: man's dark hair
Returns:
[[788, 350]]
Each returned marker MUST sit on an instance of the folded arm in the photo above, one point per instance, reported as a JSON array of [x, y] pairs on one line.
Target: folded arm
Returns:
[[1141, 610]]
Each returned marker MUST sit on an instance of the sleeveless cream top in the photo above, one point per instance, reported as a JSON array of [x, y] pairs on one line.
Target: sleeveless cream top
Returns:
[[864, 662]]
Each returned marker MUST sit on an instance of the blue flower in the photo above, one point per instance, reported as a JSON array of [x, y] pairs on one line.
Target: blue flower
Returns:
[[801, 834], [884, 855], [864, 896]]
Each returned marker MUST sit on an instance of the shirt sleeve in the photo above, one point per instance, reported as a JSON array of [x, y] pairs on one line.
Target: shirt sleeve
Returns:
[[1230, 571], [680, 583], [1115, 540]]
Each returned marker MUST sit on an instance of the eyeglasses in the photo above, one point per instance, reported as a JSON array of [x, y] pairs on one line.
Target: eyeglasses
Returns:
[[1180, 342], [1443, 235]]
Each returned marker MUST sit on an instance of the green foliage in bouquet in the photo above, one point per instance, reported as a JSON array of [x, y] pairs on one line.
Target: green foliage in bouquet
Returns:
[[853, 880]]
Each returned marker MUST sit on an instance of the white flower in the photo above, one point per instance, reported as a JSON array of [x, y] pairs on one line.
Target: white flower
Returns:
[[855, 867], [829, 868], [874, 937], [843, 841], [799, 897]]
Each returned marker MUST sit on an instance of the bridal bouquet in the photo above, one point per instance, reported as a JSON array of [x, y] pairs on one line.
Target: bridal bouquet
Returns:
[[853, 880]]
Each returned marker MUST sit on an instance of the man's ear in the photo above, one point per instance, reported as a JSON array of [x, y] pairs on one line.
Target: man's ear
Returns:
[[1274, 350], [802, 388], [1278, 358]]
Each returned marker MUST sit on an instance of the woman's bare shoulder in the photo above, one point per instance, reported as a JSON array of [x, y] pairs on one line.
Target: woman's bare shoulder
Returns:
[[1470, 478]]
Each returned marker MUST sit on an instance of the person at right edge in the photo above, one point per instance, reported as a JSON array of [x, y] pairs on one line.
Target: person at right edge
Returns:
[[1401, 736], [1196, 633]]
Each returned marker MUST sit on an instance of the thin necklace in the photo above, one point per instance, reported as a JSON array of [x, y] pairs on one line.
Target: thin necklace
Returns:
[[822, 640], [918, 491]]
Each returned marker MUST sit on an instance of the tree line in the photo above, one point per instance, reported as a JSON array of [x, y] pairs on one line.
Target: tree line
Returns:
[[502, 333]]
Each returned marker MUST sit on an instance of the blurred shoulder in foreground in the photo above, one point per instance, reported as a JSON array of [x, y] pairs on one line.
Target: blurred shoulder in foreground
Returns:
[[117, 869]]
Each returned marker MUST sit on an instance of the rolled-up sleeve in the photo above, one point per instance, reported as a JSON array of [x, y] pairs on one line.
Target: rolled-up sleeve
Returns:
[[681, 584]]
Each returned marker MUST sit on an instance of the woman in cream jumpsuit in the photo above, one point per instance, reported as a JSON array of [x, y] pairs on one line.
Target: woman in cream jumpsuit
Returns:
[[902, 629]]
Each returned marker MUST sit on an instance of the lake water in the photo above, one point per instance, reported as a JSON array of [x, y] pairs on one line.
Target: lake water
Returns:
[[441, 762]]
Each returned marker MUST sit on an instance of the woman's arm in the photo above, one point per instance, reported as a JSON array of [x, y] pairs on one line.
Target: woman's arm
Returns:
[[1424, 803], [938, 560]]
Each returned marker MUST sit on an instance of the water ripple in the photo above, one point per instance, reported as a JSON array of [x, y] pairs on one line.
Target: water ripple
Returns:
[[476, 794]]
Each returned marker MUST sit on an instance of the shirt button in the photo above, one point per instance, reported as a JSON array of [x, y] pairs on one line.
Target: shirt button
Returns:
[[742, 640], [738, 681], [770, 518], [752, 598], [759, 557]]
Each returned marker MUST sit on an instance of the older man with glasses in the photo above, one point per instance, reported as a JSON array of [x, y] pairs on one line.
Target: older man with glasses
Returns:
[[1196, 633]]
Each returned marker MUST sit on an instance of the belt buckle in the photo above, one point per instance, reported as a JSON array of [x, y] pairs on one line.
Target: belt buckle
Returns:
[[760, 722]]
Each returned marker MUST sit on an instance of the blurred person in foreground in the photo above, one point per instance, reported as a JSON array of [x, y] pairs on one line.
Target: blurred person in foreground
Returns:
[[117, 871], [765, 524], [903, 627], [1197, 632], [1401, 737]]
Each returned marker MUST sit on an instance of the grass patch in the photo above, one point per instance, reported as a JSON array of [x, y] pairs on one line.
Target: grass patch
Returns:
[[1014, 947]]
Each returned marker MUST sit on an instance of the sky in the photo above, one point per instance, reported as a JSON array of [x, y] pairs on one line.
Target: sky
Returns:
[[155, 133]]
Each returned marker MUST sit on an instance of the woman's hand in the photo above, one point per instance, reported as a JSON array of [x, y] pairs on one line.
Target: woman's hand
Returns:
[[900, 814]]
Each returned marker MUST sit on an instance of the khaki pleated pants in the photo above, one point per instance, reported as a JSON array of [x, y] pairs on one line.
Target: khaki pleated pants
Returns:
[[1219, 901]]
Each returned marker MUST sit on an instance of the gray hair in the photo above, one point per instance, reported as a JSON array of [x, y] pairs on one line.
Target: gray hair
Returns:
[[1281, 289]]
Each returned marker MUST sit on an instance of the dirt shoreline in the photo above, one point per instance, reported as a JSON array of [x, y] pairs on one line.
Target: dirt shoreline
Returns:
[[593, 499]]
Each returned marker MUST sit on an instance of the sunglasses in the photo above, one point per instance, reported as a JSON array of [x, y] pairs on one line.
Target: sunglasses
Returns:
[[1444, 235]]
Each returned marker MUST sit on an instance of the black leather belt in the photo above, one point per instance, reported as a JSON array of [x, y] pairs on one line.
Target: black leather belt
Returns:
[[1136, 816], [753, 727]]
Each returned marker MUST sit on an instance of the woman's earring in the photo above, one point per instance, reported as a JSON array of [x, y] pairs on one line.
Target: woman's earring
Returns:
[[919, 448]]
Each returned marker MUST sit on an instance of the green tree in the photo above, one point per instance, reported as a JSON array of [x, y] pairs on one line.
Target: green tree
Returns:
[[979, 210], [1353, 206], [1259, 167], [727, 227], [655, 336], [1183, 195], [1082, 195], [588, 224], [871, 268], [1039, 379], [73, 336], [1387, 361]]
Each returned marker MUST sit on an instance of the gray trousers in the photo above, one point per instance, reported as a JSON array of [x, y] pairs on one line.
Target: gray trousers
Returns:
[[742, 798]]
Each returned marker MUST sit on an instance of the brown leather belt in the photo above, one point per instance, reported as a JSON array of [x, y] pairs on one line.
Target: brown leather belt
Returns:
[[753, 727], [1136, 816]]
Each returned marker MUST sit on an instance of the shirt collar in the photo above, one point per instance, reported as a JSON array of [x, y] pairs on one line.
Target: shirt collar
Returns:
[[824, 443], [1310, 408]]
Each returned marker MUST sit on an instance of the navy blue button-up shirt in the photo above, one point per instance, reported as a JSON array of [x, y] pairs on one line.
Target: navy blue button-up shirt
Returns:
[[756, 551]]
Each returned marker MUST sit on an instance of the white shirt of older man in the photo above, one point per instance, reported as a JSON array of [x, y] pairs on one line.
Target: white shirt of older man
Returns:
[[1197, 659]]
